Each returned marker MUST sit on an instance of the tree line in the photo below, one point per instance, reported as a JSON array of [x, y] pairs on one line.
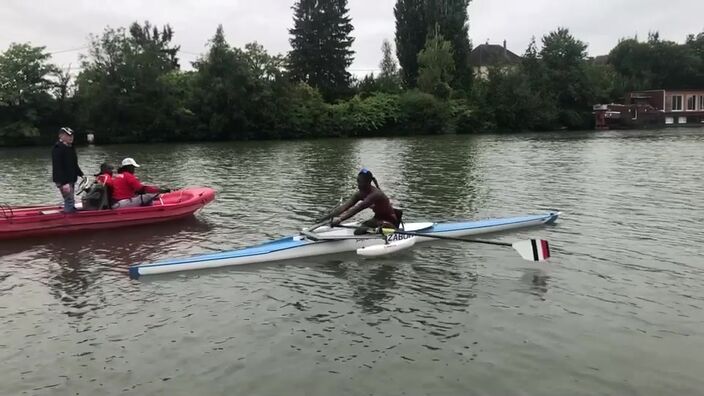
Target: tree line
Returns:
[[132, 88]]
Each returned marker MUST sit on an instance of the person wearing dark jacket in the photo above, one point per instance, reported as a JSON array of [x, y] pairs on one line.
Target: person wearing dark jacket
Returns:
[[65, 169]]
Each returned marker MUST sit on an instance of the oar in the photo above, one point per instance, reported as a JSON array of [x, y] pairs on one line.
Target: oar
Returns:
[[531, 249]]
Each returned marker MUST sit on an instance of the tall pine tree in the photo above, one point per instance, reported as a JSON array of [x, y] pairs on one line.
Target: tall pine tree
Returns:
[[417, 19], [388, 80], [453, 22], [321, 45], [411, 32]]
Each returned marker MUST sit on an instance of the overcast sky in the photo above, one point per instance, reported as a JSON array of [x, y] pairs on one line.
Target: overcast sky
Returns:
[[64, 25]]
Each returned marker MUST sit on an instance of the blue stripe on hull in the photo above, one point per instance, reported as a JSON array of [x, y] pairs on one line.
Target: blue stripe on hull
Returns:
[[476, 225]]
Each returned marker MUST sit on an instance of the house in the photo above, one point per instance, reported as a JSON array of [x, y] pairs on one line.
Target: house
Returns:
[[487, 55], [684, 106], [653, 108]]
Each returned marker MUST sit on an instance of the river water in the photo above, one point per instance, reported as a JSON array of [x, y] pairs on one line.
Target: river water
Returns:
[[617, 310]]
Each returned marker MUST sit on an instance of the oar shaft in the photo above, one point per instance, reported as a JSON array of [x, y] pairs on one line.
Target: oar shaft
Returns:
[[420, 234]]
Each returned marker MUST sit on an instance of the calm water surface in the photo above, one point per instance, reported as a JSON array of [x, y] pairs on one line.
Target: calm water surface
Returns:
[[618, 310]]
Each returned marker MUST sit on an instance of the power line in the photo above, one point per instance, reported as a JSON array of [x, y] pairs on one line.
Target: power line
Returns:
[[68, 50]]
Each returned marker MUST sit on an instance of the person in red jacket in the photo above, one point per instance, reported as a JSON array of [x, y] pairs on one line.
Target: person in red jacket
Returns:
[[126, 189], [105, 175]]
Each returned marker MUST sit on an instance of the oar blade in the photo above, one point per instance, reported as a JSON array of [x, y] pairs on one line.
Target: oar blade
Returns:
[[533, 249]]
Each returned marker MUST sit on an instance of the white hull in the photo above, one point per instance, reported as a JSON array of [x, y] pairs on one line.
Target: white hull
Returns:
[[300, 246]]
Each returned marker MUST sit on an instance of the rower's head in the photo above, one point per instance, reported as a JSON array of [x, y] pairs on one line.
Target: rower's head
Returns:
[[365, 178]]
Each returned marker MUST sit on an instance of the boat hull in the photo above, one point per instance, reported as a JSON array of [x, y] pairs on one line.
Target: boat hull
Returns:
[[300, 246], [32, 221]]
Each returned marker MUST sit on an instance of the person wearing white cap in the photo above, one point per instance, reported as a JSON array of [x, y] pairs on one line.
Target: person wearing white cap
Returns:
[[64, 168], [127, 191]]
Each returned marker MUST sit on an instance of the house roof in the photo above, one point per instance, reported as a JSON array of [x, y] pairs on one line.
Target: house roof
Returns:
[[492, 55]]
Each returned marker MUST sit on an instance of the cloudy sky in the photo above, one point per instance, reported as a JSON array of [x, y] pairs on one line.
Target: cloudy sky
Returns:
[[64, 25]]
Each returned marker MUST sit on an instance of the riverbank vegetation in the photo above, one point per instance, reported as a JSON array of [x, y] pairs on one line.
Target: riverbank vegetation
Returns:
[[132, 86]]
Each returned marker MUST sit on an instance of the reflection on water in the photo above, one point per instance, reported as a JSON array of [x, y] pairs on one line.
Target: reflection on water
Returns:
[[616, 311]]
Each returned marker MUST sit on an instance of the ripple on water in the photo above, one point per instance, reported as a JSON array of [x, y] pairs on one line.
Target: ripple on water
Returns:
[[616, 311]]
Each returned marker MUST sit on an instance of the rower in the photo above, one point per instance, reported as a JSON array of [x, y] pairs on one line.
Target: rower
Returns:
[[368, 196]]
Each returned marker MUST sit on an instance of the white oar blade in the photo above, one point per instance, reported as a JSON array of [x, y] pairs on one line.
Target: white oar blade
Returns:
[[386, 248], [533, 249]]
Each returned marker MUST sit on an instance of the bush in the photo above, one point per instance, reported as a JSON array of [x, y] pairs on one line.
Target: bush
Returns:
[[303, 113], [465, 119], [422, 113], [18, 133], [365, 117]]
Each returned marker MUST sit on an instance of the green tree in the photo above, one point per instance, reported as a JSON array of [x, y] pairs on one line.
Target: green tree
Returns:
[[436, 66], [121, 87], [262, 65], [368, 85], [510, 102], [25, 83], [533, 71], [271, 88], [657, 64], [565, 58], [321, 46], [157, 44], [696, 43], [24, 74], [411, 33], [222, 89], [452, 20], [389, 79], [416, 19], [631, 61]]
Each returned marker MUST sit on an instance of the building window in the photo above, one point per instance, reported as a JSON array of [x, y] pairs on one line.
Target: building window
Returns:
[[682, 120], [677, 103], [669, 120], [701, 102], [691, 103]]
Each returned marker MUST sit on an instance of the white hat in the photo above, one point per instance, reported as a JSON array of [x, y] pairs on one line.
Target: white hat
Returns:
[[129, 161]]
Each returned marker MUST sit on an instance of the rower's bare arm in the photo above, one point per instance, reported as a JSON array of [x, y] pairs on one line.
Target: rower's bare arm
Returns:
[[345, 206], [351, 212], [366, 203]]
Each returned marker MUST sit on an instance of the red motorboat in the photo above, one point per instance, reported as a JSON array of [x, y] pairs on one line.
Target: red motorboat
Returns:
[[28, 221]]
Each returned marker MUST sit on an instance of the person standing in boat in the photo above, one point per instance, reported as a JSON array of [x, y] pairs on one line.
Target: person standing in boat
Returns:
[[368, 196], [65, 169], [127, 191]]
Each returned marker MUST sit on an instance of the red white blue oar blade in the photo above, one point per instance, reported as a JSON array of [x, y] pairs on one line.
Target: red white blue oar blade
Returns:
[[533, 249]]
